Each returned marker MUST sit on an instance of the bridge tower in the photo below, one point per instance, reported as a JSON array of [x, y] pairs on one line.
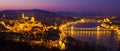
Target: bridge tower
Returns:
[[72, 30], [98, 32], [98, 28]]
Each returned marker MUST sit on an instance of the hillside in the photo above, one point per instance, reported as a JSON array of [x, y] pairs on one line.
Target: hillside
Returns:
[[41, 15]]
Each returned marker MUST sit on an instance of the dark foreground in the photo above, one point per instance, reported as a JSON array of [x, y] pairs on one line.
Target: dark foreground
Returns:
[[72, 45]]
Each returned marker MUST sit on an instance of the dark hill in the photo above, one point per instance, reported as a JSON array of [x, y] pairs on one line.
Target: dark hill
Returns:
[[41, 15], [32, 12]]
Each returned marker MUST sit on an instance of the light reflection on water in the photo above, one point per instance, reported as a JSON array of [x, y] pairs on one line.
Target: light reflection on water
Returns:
[[100, 36], [105, 38]]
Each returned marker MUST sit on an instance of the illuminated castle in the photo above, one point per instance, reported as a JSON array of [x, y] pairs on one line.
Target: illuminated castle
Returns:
[[24, 25], [25, 17], [30, 26]]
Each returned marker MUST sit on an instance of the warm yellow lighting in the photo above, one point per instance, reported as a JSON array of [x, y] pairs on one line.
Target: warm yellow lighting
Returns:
[[26, 17], [32, 19], [63, 46], [55, 27], [60, 42], [82, 20], [23, 16]]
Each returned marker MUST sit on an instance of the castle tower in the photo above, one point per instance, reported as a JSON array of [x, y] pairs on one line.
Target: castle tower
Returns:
[[23, 16], [32, 19]]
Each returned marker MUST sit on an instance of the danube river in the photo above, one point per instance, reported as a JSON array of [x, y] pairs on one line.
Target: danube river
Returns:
[[95, 35]]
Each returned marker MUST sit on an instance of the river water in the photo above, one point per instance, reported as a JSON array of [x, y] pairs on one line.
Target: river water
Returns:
[[106, 38]]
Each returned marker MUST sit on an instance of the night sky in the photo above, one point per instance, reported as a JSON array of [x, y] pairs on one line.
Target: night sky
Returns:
[[79, 6]]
